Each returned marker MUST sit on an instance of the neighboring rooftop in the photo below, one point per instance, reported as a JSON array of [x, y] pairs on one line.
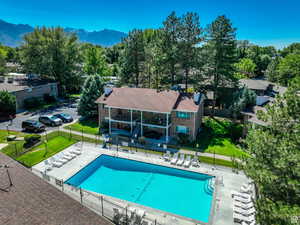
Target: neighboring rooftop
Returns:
[[18, 84], [256, 84], [33, 201], [148, 100]]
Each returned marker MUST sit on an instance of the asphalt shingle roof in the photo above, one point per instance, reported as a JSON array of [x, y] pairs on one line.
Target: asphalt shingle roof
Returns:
[[33, 201]]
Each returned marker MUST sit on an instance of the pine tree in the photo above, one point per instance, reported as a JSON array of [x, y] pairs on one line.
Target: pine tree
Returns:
[[189, 38], [168, 45], [133, 57], [91, 91], [221, 45]]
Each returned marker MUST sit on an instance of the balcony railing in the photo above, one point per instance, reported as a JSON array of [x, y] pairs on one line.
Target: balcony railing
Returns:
[[156, 121]]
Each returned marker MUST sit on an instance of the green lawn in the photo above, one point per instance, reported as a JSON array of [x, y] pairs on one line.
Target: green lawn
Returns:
[[57, 141], [224, 146], [4, 134], [219, 162], [85, 126], [39, 153], [219, 136]]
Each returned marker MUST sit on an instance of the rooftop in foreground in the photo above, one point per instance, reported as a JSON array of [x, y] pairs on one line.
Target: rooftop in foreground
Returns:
[[33, 201]]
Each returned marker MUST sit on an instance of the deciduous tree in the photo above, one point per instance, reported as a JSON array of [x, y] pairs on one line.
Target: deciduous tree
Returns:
[[53, 54], [274, 160], [7, 104], [95, 62]]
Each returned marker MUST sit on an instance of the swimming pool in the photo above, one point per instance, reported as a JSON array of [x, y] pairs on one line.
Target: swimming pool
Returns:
[[172, 190]]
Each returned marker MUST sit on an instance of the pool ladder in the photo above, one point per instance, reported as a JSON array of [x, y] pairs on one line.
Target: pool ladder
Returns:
[[209, 187]]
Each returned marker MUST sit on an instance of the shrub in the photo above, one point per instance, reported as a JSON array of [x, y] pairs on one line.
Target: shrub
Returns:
[[7, 104], [31, 140], [104, 127], [49, 98], [33, 102], [183, 139]]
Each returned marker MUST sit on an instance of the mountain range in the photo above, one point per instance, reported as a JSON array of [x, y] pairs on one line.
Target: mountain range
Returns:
[[11, 34]]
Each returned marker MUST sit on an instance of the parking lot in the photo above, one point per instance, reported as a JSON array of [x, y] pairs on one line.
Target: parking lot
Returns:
[[17, 122]]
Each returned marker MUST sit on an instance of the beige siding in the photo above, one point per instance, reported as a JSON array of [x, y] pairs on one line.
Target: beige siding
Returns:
[[37, 91]]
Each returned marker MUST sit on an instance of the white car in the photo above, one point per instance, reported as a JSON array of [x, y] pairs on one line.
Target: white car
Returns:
[[50, 120]]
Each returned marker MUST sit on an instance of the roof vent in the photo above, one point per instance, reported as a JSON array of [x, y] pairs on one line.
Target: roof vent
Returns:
[[107, 91], [197, 98]]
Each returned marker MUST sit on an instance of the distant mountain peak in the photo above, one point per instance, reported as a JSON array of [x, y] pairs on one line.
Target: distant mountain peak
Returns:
[[11, 34]]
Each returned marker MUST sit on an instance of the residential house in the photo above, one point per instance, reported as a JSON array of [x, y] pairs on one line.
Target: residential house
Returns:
[[24, 87], [151, 113]]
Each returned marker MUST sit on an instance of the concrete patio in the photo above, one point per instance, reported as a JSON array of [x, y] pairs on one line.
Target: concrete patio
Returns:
[[221, 213]]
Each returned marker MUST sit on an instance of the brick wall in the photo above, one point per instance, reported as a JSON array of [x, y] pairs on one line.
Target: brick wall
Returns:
[[193, 123]]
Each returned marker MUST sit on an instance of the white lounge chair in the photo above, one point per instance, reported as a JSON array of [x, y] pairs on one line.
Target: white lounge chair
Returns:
[[70, 154], [140, 213], [76, 151], [244, 212], [243, 200], [241, 218], [195, 162], [67, 157], [245, 223], [187, 161], [243, 205], [246, 188], [55, 163], [181, 160], [48, 165], [57, 158], [174, 158], [167, 156], [243, 195]]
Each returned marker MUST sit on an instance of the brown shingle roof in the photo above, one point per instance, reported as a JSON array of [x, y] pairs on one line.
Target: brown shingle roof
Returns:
[[141, 99], [33, 201], [186, 103]]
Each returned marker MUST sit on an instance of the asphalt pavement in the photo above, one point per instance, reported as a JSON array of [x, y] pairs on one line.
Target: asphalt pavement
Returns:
[[20, 117]]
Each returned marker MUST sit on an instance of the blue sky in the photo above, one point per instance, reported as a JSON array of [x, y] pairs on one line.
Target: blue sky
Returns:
[[264, 22]]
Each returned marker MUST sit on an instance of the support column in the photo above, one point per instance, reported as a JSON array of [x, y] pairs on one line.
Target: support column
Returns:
[[141, 123], [167, 130], [109, 120], [131, 121]]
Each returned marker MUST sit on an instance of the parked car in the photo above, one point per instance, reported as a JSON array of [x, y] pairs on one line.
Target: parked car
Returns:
[[33, 126], [66, 118], [50, 120]]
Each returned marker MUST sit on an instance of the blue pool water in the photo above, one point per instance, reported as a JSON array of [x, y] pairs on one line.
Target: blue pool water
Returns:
[[172, 190]]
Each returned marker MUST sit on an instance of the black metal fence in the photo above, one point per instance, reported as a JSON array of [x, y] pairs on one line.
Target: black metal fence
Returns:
[[116, 210]]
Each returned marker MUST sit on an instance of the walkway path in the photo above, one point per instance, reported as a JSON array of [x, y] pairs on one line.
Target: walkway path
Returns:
[[211, 155]]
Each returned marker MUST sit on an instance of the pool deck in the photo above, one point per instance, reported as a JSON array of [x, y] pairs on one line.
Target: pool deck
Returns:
[[221, 213]]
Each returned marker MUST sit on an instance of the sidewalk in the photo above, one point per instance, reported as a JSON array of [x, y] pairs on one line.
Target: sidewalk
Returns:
[[211, 155]]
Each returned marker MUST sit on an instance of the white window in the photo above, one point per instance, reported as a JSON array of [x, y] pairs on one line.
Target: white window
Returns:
[[182, 129]]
